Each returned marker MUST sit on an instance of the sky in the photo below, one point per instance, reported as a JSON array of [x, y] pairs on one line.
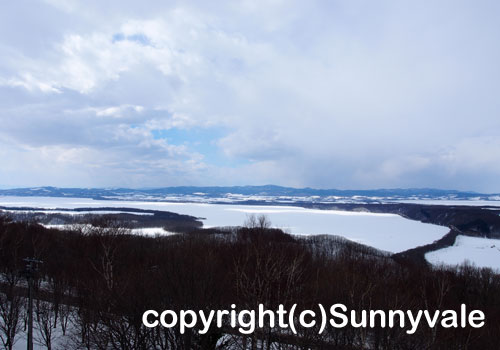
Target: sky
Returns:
[[324, 94]]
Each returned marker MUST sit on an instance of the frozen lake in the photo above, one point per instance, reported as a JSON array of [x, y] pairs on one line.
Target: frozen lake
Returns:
[[481, 252], [387, 232]]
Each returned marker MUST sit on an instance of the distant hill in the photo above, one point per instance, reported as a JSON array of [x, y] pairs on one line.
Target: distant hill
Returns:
[[248, 194]]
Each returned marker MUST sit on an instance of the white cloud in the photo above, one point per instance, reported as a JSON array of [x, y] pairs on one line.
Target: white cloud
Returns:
[[337, 94], [117, 111], [27, 81]]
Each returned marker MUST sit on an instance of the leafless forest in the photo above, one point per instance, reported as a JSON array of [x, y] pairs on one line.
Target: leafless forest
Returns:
[[95, 283]]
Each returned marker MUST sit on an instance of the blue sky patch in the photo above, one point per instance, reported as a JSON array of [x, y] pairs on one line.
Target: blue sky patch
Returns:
[[138, 38], [201, 140]]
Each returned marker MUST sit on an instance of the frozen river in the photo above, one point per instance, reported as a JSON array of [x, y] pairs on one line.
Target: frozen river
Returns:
[[387, 232]]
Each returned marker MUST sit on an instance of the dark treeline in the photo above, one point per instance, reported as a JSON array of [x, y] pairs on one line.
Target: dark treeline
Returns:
[[127, 217], [95, 284]]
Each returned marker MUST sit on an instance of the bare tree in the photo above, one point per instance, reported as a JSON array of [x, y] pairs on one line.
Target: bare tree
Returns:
[[45, 319], [11, 305], [257, 222]]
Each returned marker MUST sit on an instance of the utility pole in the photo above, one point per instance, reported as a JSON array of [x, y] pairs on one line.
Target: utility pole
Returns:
[[31, 269]]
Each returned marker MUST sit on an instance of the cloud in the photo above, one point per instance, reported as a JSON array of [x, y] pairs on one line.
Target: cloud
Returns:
[[337, 94], [28, 82]]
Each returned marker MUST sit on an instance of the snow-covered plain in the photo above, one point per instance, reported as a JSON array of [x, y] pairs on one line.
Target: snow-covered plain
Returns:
[[454, 202], [481, 252], [151, 231], [69, 212], [388, 232], [145, 231]]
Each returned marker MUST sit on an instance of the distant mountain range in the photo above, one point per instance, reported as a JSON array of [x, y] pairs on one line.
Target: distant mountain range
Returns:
[[267, 193]]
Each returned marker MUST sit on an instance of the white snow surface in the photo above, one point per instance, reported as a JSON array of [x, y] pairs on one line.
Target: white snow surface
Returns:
[[481, 252], [152, 231], [144, 231], [100, 212], [451, 202], [389, 232]]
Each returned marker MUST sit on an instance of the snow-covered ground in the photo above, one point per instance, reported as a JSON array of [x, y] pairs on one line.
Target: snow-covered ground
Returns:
[[387, 232], [471, 202], [145, 231], [70, 212], [482, 252], [22, 343], [152, 231]]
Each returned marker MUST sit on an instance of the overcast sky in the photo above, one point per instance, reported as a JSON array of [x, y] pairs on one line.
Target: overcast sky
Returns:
[[325, 94]]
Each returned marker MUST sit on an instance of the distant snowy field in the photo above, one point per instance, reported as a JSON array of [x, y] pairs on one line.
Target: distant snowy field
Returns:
[[146, 231], [482, 252], [388, 232], [455, 202]]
